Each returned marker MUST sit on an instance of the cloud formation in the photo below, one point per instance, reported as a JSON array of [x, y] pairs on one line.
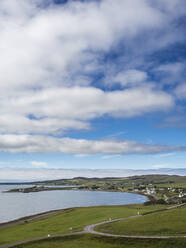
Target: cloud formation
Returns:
[[42, 46], [37, 144], [50, 55], [58, 109], [180, 91], [38, 163]]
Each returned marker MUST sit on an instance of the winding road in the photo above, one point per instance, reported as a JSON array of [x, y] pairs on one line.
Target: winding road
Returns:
[[91, 229]]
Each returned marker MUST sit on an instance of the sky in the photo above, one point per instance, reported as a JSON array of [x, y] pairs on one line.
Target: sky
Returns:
[[95, 84]]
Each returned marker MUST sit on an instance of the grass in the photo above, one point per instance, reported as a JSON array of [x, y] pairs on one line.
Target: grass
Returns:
[[171, 222], [93, 241], [172, 185], [76, 218]]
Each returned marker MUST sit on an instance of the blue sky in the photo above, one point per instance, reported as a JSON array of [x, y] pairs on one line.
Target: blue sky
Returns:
[[96, 84]]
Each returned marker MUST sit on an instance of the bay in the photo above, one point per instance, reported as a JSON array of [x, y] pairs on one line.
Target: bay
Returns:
[[17, 205]]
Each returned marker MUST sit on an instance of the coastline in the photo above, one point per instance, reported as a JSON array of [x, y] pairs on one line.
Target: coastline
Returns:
[[149, 197], [50, 212], [32, 217]]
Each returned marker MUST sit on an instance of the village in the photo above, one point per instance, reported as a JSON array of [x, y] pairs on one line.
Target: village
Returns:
[[168, 194]]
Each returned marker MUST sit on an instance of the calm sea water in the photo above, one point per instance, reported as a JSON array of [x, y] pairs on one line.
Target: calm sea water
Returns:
[[17, 205]]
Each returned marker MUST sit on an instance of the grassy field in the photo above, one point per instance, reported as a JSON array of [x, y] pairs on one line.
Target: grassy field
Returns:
[[171, 222], [92, 241], [76, 218], [173, 185]]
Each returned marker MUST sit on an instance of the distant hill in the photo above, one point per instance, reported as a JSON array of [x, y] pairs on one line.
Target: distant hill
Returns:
[[30, 175], [141, 179]]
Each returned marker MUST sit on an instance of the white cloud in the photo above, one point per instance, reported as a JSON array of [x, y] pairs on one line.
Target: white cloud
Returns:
[[172, 68], [32, 144], [116, 134], [171, 73], [161, 166], [174, 6], [180, 91], [130, 78], [111, 156], [58, 109], [39, 47], [45, 56], [178, 121], [39, 163], [165, 155], [3, 163]]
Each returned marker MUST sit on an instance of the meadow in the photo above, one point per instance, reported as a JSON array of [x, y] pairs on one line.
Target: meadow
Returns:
[[61, 222], [93, 241], [170, 222]]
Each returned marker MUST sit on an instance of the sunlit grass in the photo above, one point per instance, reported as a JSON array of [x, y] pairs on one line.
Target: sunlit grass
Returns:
[[76, 218], [171, 222]]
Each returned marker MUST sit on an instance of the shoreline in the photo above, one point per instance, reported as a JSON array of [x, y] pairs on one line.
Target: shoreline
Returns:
[[149, 197], [50, 212], [28, 218]]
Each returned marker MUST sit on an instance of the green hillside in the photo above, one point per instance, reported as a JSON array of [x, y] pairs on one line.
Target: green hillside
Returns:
[[170, 222]]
